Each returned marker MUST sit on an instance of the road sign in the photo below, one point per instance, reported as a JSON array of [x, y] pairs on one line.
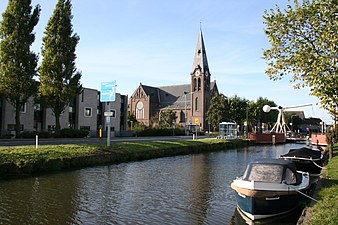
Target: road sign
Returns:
[[108, 120], [197, 121], [108, 91], [108, 114], [111, 113]]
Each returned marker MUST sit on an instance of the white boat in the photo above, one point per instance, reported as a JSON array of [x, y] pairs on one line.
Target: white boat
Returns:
[[270, 187]]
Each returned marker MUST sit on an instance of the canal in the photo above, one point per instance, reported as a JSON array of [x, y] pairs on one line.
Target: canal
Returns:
[[190, 189]]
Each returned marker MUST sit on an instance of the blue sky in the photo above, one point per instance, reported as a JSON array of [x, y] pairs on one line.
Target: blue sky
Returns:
[[153, 42]]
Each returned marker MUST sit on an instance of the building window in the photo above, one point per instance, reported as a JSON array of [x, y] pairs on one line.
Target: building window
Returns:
[[51, 127], [199, 84], [88, 112], [139, 110], [114, 113], [37, 107], [23, 108], [195, 84], [196, 104], [82, 96]]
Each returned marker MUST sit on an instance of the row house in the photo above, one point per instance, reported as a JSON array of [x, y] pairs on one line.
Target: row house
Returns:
[[86, 112]]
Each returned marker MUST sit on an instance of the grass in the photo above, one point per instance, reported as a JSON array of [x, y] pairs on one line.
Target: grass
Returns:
[[22, 160], [326, 212]]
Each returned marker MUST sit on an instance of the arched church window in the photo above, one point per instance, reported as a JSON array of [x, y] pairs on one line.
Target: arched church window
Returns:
[[196, 104], [195, 84], [199, 84], [139, 110]]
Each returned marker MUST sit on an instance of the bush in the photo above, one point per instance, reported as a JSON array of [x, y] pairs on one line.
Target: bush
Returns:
[[73, 133], [159, 132], [32, 134], [332, 135]]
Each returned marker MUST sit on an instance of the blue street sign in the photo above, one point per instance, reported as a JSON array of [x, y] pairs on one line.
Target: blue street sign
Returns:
[[108, 90], [107, 120]]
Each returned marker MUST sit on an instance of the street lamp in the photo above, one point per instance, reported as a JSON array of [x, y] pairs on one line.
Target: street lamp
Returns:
[[185, 111]]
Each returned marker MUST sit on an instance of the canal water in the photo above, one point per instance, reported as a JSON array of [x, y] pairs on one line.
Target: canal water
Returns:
[[190, 189]]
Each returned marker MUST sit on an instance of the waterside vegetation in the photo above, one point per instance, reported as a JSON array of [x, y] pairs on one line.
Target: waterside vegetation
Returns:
[[26, 160], [326, 210]]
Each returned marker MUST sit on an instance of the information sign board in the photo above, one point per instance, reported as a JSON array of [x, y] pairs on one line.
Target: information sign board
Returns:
[[108, 91]]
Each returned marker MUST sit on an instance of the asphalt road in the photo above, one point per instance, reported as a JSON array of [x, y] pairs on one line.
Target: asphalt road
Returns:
[[57, 141]]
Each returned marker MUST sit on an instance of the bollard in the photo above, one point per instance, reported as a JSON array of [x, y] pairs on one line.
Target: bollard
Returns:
[[36, 141], [273, 139]]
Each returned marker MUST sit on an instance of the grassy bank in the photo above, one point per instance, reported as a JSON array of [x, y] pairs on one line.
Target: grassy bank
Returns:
[[326, 212], [25, 160]]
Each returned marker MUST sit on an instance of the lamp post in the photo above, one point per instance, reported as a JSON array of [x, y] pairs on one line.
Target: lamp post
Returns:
[[185, 112]]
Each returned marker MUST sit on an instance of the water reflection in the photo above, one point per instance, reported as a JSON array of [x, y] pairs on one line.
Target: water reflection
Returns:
[[192, 189]]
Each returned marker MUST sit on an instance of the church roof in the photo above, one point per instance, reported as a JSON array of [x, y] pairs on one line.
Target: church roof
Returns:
[[172, 97]]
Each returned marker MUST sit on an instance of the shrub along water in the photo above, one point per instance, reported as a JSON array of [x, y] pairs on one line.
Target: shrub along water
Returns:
[[25, 160], [326, 210]]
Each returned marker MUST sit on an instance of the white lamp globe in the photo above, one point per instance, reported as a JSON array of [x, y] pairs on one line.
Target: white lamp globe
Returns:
[[266, 108]]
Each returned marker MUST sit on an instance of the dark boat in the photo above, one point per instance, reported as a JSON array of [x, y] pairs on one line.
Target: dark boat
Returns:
[[270, 187], [306, 159]]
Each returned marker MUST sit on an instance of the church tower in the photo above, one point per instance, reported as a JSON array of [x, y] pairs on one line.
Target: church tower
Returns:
[[200, 84]]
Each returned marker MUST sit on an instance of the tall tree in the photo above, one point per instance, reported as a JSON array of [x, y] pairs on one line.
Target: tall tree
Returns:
[[237, 109], [18, 64], [256, 114], [217, 110], [60, 80], [167, 118], [304, 43]]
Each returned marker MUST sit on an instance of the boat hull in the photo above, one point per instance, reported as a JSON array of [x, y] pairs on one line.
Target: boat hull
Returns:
[[306, 160], [257, 208], [313, 166]]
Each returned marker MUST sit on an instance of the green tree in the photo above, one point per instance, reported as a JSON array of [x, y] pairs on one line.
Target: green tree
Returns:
[[237, 109], [167, 118], [132, 121], [18, 64], [60, 80], [256, 114], [217, 110], [304, 43]]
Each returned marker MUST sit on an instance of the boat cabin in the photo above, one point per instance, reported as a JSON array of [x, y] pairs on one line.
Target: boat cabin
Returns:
[[272, 171]]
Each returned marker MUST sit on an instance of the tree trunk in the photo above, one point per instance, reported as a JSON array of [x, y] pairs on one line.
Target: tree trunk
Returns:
[[57, 124], [17, 119], [331, 148]]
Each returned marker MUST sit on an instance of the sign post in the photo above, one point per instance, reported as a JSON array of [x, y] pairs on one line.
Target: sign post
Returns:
[[197, 122], [108, 90]]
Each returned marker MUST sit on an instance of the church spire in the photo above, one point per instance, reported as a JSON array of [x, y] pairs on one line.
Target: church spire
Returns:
[[200, 59]]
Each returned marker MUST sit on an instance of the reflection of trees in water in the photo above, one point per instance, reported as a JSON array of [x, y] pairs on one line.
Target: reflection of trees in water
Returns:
[[200, 189]]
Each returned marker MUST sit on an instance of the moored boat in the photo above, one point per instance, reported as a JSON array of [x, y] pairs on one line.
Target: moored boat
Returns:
[[270, 187], [306, 159]]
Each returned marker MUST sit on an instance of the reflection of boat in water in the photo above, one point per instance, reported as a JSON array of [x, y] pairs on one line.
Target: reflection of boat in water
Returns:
[[286, 219], [306, 160], [270, 187]]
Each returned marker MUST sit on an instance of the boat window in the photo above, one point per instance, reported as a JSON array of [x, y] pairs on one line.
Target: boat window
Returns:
[[290, 177], [266, 173]]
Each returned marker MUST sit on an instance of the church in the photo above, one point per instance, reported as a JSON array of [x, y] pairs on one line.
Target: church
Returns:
[[190, 102]]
